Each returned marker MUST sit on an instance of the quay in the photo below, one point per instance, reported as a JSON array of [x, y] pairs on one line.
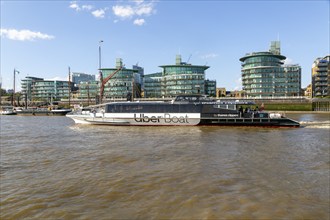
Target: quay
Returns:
[[297, 104], [279, 104]]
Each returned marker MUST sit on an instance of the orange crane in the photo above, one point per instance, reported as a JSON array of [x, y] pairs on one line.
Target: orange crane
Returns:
[[104, 81]]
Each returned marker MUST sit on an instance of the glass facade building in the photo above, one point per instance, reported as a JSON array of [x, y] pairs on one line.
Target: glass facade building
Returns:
[[26, 86], [88, 90], [38, 89], [182, 78], [321, 77], [152, 85], [210, 87], [81, 77], [265, 75], [124, 82], [50, 90]]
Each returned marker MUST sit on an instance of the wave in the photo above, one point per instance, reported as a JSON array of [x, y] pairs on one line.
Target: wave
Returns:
[[315, 124]]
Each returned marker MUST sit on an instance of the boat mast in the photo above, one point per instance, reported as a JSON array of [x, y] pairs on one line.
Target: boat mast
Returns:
[[69, 87], [132, 88], [13, 100]]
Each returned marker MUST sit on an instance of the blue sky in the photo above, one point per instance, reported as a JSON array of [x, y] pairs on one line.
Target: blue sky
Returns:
[[44, 38]]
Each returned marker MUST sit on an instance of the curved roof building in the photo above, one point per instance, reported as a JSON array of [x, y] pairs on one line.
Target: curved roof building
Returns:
[[182, 78], [265, 75]]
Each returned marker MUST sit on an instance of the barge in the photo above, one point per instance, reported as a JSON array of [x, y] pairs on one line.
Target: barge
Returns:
[[185, 110], [41, 112]]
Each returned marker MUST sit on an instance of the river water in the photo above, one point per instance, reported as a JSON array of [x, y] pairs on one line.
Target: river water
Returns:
[[53, 169]]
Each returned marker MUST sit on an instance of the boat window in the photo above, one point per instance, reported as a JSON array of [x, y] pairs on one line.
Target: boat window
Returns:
[[152, 108], [225, 106], [187, 98]]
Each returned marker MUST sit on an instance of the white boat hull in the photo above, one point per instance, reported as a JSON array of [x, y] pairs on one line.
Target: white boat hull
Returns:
[[148, 119]]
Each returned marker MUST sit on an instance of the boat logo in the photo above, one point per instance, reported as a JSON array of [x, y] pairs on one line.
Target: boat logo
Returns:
[[167, 118]]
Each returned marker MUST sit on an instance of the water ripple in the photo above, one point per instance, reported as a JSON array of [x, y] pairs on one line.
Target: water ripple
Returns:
[[65, 171]]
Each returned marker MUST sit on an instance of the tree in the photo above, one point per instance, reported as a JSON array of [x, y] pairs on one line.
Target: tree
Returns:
[[3, 92]]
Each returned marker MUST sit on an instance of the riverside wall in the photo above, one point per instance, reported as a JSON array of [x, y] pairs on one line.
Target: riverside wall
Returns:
[[285, 104]]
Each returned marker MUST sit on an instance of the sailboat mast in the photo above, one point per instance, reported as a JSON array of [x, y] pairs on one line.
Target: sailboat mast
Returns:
[[69, 87]]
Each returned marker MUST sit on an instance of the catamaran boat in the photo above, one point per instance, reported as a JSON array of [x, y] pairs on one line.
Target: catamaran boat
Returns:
[[184, 110]]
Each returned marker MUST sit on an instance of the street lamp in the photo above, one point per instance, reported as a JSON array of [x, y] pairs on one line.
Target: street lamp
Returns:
[[100, 74], [101, 41], [13, 100]]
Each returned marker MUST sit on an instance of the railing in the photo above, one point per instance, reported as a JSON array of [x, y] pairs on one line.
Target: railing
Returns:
[[266, 98], [172, 98], [321, 106]]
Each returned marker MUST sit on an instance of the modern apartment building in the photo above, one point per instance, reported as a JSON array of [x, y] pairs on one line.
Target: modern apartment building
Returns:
[[50, 90], [152, 85], [88, 90], [26, 86], [210, 87], [123, 83], [77, 78], [182, 78], [321, 77], [265, 75], [38, 89]]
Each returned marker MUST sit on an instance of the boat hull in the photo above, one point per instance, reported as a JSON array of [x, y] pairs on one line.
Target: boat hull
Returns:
[[258, 122], [28, 112], [180, 120], [165, 119], [7, 113]]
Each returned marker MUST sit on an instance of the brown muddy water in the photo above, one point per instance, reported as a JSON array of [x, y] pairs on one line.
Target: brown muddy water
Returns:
[[53, 169]]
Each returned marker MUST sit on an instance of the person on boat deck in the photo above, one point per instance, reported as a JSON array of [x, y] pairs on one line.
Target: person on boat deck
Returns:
[[262, 107], [240, 110], [247, 110]]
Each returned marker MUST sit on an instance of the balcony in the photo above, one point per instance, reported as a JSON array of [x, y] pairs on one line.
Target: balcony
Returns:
[[321, 79], [323, 69], [321, 84], [322, 64]]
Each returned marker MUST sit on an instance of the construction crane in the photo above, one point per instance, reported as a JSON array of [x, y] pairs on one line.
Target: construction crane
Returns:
[[189, 58], [104, 81]]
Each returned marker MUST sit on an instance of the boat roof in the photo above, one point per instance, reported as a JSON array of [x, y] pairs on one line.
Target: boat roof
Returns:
[[180, 99], [202, 99]]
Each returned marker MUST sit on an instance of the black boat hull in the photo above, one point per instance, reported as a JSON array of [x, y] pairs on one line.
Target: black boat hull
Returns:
[[42, 112], [261, 122]]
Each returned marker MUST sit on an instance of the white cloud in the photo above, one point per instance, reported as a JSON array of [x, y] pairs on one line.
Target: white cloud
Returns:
[[144, 9], [210, 55], [87, 7], [134, 11], [139, 22], [100, 13], [288, 61], [123, 11], [74, 6], [24, 35], [138, 2]]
